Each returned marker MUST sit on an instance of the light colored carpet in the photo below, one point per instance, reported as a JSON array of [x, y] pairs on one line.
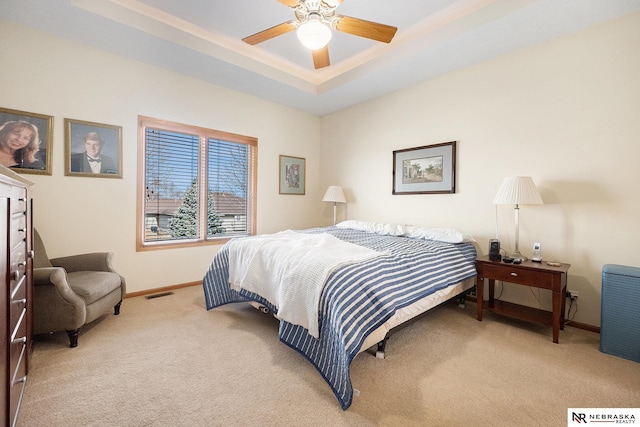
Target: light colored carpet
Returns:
[[169, 362]]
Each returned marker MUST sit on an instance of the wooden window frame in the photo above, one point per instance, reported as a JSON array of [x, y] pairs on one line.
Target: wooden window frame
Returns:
[[204, 135]]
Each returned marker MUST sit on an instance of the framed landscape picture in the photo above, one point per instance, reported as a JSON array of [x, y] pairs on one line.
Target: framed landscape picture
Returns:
[[292, 175], [25, 141], [430, 169]]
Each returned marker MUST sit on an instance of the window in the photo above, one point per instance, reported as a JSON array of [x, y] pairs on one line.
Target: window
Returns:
[[195, 185]]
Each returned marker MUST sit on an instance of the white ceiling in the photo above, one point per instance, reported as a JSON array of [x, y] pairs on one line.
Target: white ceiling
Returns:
[[202, 39]]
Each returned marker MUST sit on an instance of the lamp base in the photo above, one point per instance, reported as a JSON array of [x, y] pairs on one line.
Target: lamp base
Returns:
[[334, 213], [518, 255]]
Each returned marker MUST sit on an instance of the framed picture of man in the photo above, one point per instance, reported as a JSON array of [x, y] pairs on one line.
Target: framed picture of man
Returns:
[[92, 149], [25, 141]]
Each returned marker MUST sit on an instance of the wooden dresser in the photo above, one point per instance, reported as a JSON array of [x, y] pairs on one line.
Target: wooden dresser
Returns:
[[16, 268]]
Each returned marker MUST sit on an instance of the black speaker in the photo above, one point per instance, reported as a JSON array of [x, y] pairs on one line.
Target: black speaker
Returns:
[[494, 250]]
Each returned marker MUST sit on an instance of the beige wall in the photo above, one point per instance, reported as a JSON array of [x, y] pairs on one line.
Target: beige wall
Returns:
[[47, 75], [566, 113]]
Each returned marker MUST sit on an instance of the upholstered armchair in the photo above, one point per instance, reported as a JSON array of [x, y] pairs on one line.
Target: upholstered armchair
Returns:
[[72, 291]]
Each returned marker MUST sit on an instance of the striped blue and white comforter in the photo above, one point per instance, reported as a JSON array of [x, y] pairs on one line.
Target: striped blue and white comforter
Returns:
[[411, 270]]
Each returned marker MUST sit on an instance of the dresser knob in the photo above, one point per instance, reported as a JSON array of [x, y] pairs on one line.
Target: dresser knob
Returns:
[[20, 380], [514, 274], [19, 340]]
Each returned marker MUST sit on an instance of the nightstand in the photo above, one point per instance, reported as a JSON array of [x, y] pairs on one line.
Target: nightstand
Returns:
[[536, 274]]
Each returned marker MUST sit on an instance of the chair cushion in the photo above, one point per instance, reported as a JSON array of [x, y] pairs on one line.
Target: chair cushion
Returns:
[[93, 285]]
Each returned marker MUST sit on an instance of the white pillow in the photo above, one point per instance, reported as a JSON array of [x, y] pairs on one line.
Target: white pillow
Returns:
[[375, 227], [442, 234]]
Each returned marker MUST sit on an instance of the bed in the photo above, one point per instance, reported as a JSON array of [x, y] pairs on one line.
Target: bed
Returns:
[[408, 271]]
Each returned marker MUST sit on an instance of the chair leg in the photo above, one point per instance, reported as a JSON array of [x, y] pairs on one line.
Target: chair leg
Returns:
[[73, 337], [116, 309]]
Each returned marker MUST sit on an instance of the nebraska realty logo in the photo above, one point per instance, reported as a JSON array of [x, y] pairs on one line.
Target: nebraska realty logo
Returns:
[[581, 416]]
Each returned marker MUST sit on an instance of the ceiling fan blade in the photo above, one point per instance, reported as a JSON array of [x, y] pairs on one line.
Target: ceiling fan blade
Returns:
[[290, 3], [321, 57], [270, 33], [370, 30]]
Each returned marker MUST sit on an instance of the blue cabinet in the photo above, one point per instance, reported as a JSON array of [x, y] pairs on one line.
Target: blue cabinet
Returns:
[[620, 323]]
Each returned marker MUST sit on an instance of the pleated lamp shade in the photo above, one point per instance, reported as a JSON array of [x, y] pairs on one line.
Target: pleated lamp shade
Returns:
[[518, 190], [334, 194]]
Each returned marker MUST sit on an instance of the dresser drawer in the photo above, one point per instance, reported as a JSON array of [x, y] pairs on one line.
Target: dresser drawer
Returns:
[[18, 278], [18, 342], [18, 200], [17, 303], [18, 229], [18, 380], [18, 266], [520, 276]]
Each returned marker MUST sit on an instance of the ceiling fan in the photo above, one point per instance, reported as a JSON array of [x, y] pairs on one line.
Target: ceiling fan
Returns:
[[315, 20]]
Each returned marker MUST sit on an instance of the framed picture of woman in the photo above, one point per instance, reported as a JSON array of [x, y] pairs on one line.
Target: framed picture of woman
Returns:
[[25, 141]]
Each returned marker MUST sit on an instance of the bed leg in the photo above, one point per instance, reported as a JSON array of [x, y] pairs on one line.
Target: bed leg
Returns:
[[381, 346], [461, 301]]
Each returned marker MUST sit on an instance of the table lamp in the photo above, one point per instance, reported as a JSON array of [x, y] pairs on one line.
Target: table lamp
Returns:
[[336, 195], [518, 190]]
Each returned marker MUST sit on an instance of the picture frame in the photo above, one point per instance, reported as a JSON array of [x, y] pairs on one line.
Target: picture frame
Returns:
[[35, 155], [430, 169], [292, 175], [92, 149]]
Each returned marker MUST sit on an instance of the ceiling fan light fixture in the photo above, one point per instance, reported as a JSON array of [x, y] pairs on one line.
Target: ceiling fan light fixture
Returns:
[[314, 34]]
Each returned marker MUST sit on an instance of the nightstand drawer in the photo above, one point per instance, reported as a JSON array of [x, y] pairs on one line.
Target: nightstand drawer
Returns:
[[518, 275]]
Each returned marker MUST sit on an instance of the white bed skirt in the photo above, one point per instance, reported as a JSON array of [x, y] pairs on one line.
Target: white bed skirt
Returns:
[[407, 313], [415, 309]]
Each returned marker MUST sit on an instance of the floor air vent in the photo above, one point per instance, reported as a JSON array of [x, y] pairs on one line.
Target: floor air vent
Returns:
[[161, 294]]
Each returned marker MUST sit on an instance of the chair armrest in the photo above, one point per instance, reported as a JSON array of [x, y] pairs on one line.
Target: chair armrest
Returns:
[[57, 277], [97, 261]]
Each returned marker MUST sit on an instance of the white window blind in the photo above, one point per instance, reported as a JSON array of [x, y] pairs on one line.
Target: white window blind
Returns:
[[228, 177], [197, 185]]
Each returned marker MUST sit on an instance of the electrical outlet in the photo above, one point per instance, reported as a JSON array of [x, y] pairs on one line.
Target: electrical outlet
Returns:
[[572, 294]]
